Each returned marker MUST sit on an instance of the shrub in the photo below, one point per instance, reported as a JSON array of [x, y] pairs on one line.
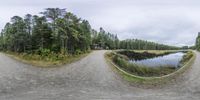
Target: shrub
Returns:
[[43, 52], [78, 52]]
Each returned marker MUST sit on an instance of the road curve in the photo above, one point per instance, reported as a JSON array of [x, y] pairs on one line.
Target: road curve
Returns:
[[88, 79]]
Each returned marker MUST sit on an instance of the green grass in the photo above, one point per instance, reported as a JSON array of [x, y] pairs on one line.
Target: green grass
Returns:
[[47, 61], [153, 80]]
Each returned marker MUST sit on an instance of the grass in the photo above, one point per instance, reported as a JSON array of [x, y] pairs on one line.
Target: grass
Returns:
[[142, 70], [153, 80], [50, 60], [187, 57], [142, 55]]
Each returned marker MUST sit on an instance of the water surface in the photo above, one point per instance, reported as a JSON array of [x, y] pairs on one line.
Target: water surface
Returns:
[[170, 60]]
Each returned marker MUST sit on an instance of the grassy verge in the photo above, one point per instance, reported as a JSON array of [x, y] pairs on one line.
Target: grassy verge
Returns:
[[52, 60], [141, 70], [142, 80]]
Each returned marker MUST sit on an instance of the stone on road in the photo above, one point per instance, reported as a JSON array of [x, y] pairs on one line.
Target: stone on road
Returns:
[[91, 78]]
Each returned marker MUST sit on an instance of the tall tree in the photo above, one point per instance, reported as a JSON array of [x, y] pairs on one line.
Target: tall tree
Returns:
[[52, 14], [42, 34], [18, 30], [29, 27]]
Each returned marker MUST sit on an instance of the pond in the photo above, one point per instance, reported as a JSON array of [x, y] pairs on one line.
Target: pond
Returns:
[[169, 60]]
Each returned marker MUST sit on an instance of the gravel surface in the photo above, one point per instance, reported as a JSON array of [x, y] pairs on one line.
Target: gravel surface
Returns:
[[91, 78]]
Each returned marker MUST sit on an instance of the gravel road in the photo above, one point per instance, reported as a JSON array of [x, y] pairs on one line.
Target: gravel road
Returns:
[[91, 78]]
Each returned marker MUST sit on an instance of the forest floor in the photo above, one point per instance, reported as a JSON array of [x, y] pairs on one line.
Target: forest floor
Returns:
[[90, 78]]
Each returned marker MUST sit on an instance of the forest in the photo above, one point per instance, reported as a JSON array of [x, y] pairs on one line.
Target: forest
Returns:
[[59, 31], [198, 42]]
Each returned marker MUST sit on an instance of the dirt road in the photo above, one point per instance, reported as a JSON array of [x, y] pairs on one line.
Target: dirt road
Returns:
[[88, 79]]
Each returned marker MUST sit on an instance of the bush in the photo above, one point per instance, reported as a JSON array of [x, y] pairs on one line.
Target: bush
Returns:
[[43, 52], [78, 52]]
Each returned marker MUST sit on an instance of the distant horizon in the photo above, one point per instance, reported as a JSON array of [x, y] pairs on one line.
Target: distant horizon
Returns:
[[175, 23]]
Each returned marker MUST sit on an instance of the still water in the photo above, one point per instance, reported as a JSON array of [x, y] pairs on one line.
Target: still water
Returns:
[[170, 60]]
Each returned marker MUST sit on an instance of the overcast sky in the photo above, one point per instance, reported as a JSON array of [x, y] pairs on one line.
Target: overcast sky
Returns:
[[172, 22]]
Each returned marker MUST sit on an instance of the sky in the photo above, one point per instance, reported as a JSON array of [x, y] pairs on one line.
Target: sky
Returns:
[[171, 22]]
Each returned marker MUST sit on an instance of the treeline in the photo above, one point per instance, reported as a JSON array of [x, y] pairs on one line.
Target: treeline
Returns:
[[63, 32], [144, 45], [57, 31], [197, 46], [104, 40]]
